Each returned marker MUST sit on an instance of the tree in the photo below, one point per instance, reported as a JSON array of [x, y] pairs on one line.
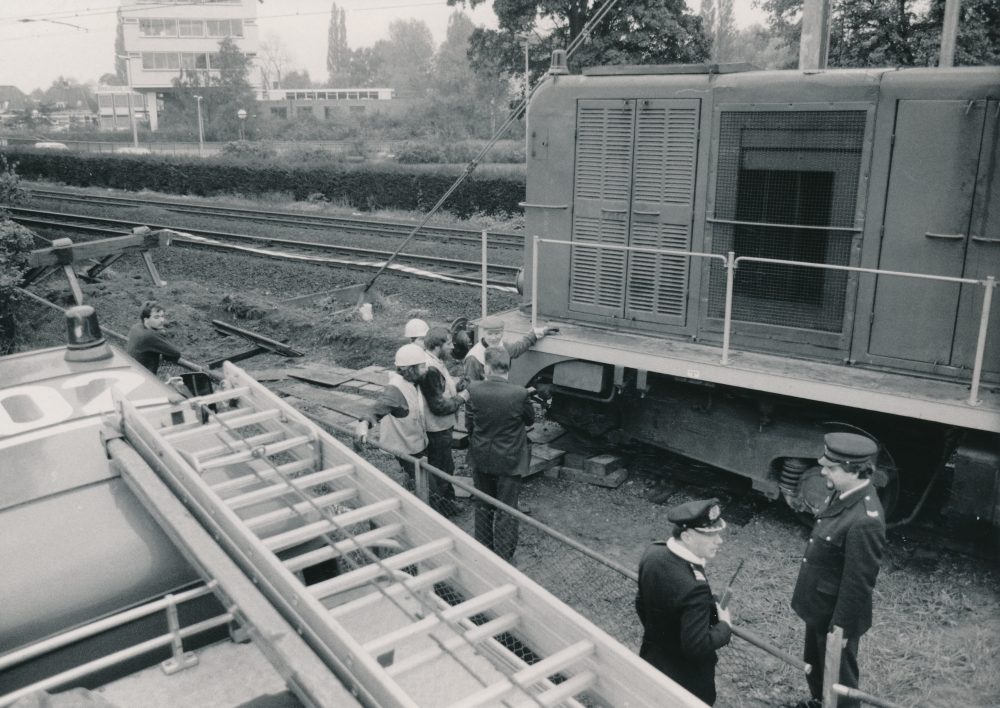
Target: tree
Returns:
[[297, 80], [637, 32], [223, 95], [109, 79], [338, 56], [274, 59], [365, 67], [15, 246], [894, 32], [405, 58], [120, 69]]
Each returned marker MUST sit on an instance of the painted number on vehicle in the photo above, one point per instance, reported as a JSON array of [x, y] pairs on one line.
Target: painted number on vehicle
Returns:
[[25, 408]]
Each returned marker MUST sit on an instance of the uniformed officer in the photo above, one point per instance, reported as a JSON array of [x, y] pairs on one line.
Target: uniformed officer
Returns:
[[682, 624], [837, 574]]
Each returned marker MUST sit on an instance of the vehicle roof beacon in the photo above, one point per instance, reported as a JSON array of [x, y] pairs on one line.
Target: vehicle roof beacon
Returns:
[[558, 62], [85, 341]]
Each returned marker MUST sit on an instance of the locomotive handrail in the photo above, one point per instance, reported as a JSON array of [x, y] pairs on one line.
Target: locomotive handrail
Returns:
[[714, 220], [731, 263]]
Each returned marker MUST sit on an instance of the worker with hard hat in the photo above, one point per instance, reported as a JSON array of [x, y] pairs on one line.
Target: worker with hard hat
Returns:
[[491, 335], [400, 408], [415, 331]]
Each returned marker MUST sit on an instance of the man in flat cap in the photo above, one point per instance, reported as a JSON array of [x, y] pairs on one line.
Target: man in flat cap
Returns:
[[682, 624], [838, 571], [491, 335]]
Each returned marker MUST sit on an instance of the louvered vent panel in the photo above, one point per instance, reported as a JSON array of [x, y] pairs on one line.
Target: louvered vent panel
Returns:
[[604, 153], [650, 154], [598, 274], [665, 154], [658, 283]]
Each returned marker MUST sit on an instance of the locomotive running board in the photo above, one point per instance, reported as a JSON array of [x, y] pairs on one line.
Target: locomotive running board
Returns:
[[416, 612]]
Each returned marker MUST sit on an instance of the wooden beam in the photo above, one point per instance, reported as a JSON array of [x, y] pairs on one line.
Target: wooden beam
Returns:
[[258, 339], [65, 254]]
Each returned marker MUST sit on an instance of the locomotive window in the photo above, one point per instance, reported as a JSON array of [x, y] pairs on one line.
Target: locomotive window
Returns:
[[794, 168]]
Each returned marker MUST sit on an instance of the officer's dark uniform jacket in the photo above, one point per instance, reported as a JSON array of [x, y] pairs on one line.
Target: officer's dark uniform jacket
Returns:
[[837, 574], [679, 618]]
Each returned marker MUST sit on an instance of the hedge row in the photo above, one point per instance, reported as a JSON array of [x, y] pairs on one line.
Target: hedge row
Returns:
[[364, 187]]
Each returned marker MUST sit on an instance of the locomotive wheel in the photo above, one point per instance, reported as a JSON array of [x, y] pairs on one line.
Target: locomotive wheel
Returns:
[[812, 485]]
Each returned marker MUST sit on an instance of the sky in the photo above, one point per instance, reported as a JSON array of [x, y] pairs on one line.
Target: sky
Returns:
[[75, 38]]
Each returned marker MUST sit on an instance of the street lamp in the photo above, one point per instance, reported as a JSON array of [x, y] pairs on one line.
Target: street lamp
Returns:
[[243, 119], [131, 110], [201, 131]]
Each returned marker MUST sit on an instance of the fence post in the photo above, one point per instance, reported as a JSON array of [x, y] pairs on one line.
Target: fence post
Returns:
[[831, 667], [730, 268], [421, 481], [534, 282], [484, 275], [984, 323]]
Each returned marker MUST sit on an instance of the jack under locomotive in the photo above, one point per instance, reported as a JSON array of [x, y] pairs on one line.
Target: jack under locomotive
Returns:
[[729, 255]]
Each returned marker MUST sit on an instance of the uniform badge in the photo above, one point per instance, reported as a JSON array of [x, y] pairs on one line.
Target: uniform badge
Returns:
[[873, 514], [714, 512], [698, 575]]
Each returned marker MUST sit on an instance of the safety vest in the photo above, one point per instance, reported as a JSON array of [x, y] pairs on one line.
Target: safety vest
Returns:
[[407, 434], [436, 423]]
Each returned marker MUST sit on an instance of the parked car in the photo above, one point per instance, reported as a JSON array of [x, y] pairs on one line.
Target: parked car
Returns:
[[52, 146], [133, 151]]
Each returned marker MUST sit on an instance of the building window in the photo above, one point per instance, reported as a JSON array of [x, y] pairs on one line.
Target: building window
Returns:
[[191, 28], [225, 28], [342, 95], [103, 100], [279, 112], [157, 28], [194, 61]]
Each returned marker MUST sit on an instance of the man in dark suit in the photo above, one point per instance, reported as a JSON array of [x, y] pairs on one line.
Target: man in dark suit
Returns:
[[842, 559], [496, 416], [682, 624]]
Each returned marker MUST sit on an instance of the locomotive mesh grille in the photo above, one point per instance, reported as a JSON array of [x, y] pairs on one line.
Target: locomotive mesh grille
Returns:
[[800, 168]]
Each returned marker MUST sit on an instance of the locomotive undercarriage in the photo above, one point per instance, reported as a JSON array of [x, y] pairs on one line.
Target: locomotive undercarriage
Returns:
[[774, 441]]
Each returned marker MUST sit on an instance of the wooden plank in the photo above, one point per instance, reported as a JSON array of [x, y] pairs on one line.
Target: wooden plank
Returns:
[[321, 376], [258, 339], [544, 433], [65, 255], [544, 457], [348, 404], [376, 376]]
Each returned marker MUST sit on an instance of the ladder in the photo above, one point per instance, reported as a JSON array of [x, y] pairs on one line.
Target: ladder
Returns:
[[400, 604]]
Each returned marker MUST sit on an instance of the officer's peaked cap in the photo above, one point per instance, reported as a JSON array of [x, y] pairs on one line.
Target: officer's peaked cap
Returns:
[[704, 516], [847, 447]]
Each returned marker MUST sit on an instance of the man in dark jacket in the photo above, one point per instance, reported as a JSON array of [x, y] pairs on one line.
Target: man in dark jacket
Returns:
[[496, 416], [842, 559], [682, 624], [146, 342]]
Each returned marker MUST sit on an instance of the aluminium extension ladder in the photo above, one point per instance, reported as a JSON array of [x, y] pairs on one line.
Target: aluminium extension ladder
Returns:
[[410, 611]]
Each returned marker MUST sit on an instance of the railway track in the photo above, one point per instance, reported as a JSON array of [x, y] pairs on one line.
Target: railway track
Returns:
[[416, 265], [442, 234]]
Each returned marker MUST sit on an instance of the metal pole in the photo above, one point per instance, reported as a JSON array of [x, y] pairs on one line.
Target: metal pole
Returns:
[[527, 135], [949, 33], [131, 109], [534, 282], [730, 269], [484, 276], [814, 46], [201, 131], [984, 323]]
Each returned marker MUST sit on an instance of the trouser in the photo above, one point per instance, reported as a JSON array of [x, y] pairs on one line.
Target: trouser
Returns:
[[815, 653], [411, 470], [495, 529], [697, 677], [439, 455]]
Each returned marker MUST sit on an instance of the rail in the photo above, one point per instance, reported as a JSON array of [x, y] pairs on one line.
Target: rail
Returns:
[[732, 262]]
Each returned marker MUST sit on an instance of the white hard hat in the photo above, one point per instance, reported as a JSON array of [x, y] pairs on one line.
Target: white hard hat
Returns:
[[410, 355], [415, 328]]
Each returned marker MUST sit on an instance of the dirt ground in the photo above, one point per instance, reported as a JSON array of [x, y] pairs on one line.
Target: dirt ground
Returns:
[[936, 637]]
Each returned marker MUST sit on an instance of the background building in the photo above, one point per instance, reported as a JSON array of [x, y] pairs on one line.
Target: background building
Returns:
[[164, 37]]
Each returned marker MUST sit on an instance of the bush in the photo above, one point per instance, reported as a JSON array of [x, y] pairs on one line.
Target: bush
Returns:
[[420, 154], [245, 149], [365, 186], [459, 153], [16, 243]]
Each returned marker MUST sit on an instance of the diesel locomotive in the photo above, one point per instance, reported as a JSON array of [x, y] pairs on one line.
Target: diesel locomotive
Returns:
[[741, 260]]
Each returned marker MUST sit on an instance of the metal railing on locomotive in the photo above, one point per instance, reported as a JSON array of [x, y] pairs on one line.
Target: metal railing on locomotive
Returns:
[[731, 263]]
